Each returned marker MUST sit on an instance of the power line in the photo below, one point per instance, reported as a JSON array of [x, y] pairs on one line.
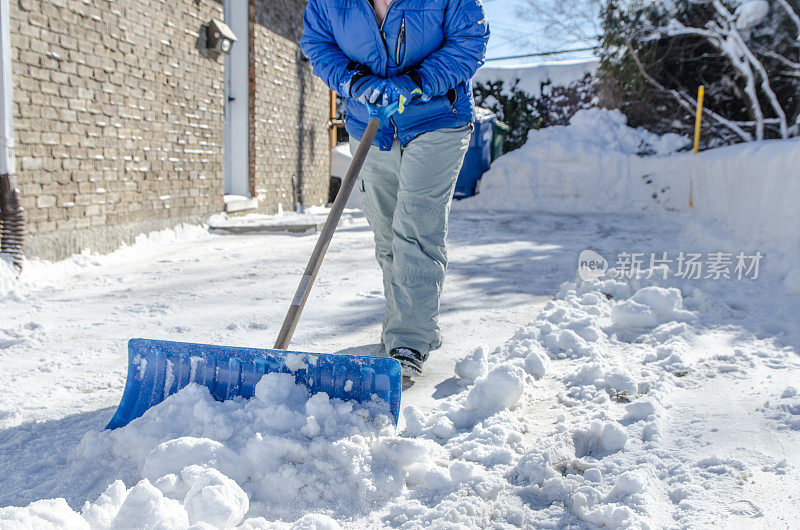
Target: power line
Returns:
[[509, 39], [541, 54]]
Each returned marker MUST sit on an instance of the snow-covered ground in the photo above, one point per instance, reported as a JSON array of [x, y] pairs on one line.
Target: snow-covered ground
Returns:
[[608, 404], [557, 400]]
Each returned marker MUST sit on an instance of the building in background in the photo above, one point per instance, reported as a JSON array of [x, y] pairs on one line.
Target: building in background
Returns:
[[124, 125]]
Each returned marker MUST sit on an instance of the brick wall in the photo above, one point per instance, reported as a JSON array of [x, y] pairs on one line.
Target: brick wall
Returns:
[[289, 112], [118, 119], [284, 18]]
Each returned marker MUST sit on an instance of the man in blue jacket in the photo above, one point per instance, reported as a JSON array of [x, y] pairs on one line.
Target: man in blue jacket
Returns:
[[372, 52]]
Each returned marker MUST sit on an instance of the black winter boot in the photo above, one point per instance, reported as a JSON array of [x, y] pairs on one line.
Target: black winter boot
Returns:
[[411, 361]]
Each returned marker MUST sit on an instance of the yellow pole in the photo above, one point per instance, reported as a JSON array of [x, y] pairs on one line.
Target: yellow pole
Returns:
[[698, 119]]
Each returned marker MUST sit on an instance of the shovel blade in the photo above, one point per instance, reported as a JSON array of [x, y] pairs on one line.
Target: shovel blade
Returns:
[[157, 369]]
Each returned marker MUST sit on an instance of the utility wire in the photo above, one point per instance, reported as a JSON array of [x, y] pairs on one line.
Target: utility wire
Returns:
[[541, 54]]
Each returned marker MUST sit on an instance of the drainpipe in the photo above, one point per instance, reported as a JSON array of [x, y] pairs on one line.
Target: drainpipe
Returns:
[[13, 220]]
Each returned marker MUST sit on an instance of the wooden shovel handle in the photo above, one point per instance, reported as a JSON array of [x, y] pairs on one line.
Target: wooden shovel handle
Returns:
[[301, 295]]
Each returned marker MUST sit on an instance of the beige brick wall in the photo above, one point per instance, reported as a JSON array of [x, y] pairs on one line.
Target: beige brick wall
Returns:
[[289, 141], [289, 112], [120, 122], [118, 119]]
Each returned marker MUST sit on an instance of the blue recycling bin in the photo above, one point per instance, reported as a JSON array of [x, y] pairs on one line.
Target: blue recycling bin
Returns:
[[479, 155]]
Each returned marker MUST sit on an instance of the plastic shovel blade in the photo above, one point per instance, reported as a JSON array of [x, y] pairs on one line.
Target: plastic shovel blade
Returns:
[[158, 369]]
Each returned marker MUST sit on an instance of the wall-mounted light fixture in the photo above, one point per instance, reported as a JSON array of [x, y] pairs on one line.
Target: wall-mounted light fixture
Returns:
[[216, 38]]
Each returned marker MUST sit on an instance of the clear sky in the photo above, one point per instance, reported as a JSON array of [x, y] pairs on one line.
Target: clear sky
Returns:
[[512, 35]]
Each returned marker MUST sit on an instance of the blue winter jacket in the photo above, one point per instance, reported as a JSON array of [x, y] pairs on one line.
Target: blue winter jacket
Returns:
[[438, 43]]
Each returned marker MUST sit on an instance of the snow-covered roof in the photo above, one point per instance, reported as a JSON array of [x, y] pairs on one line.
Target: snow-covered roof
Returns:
[[560, 73]]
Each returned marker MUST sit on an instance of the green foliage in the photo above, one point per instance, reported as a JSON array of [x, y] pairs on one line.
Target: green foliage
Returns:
[[514, 107], [523, 112]]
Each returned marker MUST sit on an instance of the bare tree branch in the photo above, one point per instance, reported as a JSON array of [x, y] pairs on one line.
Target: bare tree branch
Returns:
[[686, 101], [792, 15], [736, 38], [723, 35], [780, 58], [578, 20]]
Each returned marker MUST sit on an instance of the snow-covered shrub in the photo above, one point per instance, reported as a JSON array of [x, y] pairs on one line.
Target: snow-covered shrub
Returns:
[[514, 107], [523, 112], [564, 102], [746, 52]]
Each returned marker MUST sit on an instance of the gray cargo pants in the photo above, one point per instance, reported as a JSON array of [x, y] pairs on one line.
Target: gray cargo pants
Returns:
[[406, 196]]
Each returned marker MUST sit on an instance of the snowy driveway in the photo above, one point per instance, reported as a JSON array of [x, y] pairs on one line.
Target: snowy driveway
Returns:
[[703, 461], [63, 341]]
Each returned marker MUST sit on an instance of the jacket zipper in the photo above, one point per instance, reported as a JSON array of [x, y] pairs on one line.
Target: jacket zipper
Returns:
[[385, 44], [400, 41], [402, 31], [380, 28], [389, 10]]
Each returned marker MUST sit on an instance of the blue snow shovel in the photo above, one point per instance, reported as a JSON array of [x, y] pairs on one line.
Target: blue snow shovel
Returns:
[[158, 369]]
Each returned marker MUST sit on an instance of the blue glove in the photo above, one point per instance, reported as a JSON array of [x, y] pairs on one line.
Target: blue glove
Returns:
[[385, 112], [403, 85], [371, 90]]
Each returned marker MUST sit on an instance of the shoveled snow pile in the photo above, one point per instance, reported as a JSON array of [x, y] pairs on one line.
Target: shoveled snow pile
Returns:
[[192, 459], [650, 307], [595, 131], [606, 356], [598, 164], [582, 167]]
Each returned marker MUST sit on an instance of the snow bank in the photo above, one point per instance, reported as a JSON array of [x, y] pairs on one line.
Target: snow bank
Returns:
[[583, 167], [531, 76], [594, 165], [39, 274]]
